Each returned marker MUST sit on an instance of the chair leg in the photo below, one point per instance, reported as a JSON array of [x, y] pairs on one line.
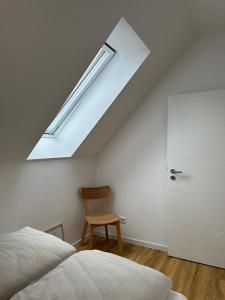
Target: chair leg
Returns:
[[106, 233], [119, 236], [84, 232], [91, 236]]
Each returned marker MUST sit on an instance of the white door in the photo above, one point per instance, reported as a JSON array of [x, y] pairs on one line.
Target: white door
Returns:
[[196, 147]]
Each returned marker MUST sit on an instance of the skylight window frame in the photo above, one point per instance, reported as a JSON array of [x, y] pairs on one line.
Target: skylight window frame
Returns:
[[75, 98]]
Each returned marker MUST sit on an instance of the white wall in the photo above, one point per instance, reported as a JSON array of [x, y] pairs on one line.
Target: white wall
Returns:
[[43, 193], [134, 161]]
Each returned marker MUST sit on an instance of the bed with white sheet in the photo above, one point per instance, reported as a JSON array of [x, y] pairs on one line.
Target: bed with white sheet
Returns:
[[37, 266]]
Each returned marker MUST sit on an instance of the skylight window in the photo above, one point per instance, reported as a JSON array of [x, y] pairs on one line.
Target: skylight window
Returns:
[[99, 87], [75, 98]]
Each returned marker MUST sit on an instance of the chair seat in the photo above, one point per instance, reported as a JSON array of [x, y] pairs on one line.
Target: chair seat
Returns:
[[102, 219]]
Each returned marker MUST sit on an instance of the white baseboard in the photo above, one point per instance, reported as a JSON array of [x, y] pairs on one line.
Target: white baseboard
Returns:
[[147, 244], [76, 243]]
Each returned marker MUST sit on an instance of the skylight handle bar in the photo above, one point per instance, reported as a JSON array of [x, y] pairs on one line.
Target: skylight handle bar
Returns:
[[72, 102]]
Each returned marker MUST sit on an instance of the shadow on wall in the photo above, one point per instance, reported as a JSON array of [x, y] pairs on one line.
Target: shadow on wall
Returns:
[[44, 193]]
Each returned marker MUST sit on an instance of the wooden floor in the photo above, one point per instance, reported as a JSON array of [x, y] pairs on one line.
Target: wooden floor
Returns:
[[195, 281]]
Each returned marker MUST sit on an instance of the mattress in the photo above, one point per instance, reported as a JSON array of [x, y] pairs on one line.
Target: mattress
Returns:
[[175, 296]]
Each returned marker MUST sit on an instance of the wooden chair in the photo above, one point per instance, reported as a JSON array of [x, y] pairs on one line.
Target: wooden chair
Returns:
[[101, 219]]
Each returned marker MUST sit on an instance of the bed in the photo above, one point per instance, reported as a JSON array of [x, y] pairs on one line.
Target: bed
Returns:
[[37, 266]]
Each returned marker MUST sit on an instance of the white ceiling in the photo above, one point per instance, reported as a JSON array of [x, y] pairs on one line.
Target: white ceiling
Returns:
[[46, 45], [204, 16], [207, 15]]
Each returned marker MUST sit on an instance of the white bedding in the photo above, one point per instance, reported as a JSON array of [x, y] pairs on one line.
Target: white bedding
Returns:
[[96, 275], [26, 255]]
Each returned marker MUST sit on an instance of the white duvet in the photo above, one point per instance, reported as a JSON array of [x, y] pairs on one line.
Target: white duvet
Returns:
[[96, 275], [26, 255]]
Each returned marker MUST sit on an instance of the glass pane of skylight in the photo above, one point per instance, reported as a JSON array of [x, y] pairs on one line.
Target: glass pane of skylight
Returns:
[[99, 62]]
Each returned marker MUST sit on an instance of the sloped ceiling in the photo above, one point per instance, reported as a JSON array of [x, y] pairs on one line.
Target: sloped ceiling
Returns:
[[167, 34], [207, 16], [45, 46]]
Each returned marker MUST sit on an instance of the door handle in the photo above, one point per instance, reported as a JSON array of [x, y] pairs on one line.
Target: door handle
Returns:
[[172, 171]]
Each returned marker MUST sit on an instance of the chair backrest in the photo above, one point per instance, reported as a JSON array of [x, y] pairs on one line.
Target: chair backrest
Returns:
[[95, 193]]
